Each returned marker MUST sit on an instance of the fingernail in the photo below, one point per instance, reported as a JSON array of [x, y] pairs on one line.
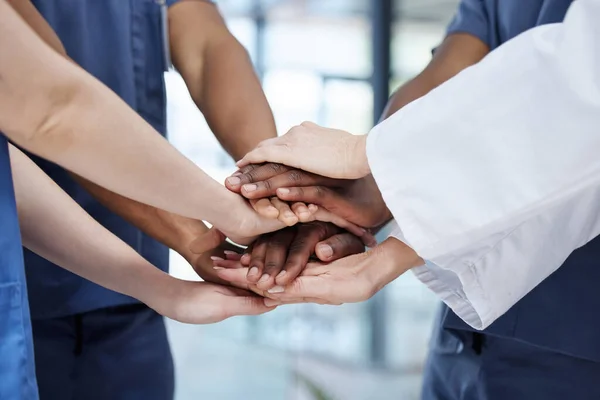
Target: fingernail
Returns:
[[264, 278], [325, 250], [281, 274], [216, 258], [289, 214], [276, 289], [253, 271], [230, 253], [234, 180], [218, 268], [271, 303], [250, 188], [283, 191], [313, 208]]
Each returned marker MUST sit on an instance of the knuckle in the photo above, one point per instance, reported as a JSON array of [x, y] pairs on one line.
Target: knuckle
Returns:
[[319, 192], [271, 265], [295, 176], [268, 184], [252, 175], [275, 167]]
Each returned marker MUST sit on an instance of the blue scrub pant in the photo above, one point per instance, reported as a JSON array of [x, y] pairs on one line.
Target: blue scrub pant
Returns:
[[464, 365], [117, 353]]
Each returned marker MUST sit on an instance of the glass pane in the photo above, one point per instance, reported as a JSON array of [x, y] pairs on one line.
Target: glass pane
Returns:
[[294, 96], [308, 43], [348, 105]]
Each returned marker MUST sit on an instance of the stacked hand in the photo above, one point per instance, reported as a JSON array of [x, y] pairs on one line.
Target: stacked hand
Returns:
[[309, 174]]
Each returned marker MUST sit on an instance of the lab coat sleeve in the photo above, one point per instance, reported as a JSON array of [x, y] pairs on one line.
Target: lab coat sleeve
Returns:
[[494, 177]]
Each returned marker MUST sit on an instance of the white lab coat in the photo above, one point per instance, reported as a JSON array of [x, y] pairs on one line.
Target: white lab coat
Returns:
[[494, 177]]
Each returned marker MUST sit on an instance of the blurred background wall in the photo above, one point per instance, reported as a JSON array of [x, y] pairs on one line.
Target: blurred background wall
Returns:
[[334, 62]]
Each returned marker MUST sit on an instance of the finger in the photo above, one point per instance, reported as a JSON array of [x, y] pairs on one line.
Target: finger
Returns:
[[323, 215], [219, 263], [286, 215], [257, 260], [245, 260], [319, 195], [275, 303], [275, 151], [302, 212], [232, 255], [264, 208], [306, 286], [208, 241], [244, 305], [258, 188], [233, 275], [254, 173], [339, 246], [302, 247], [275, 258]]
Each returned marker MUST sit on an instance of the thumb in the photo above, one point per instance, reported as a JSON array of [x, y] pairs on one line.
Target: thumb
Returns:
[[244, 305], [208, 241]]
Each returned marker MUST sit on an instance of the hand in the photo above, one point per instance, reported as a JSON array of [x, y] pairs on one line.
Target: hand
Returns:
[[278, 258], [212, 245], [358, 201], [206, 303], [328, 152], [351, 279]]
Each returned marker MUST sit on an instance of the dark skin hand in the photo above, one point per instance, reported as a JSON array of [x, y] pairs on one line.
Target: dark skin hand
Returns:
[[358, 201], [275, 260]]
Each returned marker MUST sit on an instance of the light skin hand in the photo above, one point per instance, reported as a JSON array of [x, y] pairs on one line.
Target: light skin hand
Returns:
[[310, 147], [278, 258], [204, 303], [351, 279]]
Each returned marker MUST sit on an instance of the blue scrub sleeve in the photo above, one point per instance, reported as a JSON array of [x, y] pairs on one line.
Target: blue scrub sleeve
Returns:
[[471, 17]]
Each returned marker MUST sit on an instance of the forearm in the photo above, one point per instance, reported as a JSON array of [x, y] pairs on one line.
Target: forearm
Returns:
[[175, 231], [457, 52], [171, 229], [220, 77], [232, 100], [56, 228], [511, 175], [46, 110]]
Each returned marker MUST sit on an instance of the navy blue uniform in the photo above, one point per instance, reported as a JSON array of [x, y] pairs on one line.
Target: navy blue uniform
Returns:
[[90, 342], [17, 371], [547, 346]]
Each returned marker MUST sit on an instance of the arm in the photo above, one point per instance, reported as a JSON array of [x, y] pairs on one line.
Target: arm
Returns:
[[56, 228], [59, 112], [512, 180], [173, 230], [457, 52], [220, 77], [509, 186]]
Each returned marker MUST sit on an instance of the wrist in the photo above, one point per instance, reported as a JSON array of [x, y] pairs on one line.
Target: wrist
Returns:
[[360, 163], [393, 258]]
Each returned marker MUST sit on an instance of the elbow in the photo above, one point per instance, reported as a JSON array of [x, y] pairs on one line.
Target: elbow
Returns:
[[39, 122]]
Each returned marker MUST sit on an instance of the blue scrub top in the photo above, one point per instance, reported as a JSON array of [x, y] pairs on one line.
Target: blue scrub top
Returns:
[[17, 371], [121, 43], [560, 314]]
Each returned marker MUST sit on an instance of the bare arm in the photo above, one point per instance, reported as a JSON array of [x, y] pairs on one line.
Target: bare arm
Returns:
[[457, 52], [56, 228], [54, 109], [219, 76], [173, 230]]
